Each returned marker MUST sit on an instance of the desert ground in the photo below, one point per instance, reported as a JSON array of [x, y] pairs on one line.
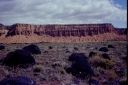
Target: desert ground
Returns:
[[51, 64]]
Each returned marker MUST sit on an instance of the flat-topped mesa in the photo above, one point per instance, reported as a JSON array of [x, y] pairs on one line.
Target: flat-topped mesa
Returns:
[[122, 31], [61, 30], [20, 29]]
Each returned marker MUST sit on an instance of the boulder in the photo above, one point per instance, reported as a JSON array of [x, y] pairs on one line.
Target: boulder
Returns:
[[18, 58], [33, 49], [75, 48], [80, 66], [2, 47], [20, 80], [50, 47], [111, 46], [91, 54], [103, 49]]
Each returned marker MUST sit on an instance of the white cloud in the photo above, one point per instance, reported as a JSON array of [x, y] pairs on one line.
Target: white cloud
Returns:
[[62, 11]]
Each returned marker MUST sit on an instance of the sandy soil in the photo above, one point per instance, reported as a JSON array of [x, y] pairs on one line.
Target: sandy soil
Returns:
[[58, 53]]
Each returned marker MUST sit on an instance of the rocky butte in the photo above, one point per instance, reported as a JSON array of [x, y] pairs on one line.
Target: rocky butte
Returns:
[[29, 33]]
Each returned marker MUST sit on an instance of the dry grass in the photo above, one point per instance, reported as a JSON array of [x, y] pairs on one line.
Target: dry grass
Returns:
[[51, 62]]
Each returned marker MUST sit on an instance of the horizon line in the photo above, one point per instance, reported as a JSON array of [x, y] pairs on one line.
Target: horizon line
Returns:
[[63, 24]]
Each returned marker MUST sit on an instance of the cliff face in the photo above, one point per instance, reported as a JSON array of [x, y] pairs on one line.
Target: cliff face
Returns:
[[24, 33], [3, 30], [121, 31], [61, 30]]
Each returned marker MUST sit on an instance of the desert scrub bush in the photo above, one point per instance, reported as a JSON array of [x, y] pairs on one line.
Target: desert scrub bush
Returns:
[[45, 51], [67, 51], [75, 48], [103, 49], [50, 47], [39, 60], [97, 61], [121, 72], [80, 67], [56, 64], [96, 57], [2, 47], [59, 71], [111, 46], [3, 72], [33, 49], [110, 62], [37, 68], [19, 80], [18, 57], [91, 54], [112, 74], [105, 56]]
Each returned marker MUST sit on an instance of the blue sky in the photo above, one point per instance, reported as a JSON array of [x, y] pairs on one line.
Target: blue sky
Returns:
[[123, 3], [63, 12]]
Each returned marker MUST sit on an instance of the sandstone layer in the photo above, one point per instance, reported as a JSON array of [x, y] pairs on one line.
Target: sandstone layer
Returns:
[[29, 33]]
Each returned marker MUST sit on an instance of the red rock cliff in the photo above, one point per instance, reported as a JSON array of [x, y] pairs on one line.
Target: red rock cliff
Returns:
[[29, 33], [61, 30], [3, 30]]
